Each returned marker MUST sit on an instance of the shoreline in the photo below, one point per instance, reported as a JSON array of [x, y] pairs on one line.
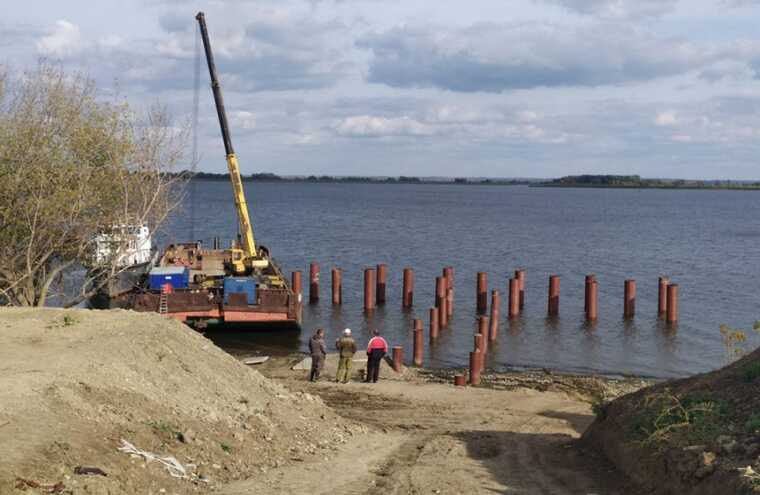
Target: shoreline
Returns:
[[483, 182], [586, 387], [667, 188]]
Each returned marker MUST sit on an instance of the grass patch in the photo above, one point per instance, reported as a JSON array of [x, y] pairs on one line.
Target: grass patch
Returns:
[[665, 418], [753, 424], [66, 320], [166, 429], [225, 447], [599, 407], [750, 371]]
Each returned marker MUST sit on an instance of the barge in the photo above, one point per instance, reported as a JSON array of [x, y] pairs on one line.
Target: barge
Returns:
[[199, 286]]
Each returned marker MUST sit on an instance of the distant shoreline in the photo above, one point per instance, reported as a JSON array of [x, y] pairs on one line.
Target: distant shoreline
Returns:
[[734, 187], [636, 182], [369, 180], [584, 181]]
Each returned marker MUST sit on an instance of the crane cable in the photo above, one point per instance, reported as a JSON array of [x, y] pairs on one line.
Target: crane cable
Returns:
[[196, 103]]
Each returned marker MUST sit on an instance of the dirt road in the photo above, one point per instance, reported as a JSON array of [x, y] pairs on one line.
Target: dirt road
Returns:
[[435, 438]]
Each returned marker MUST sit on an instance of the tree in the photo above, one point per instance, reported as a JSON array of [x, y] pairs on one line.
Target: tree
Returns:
[[73, 167]]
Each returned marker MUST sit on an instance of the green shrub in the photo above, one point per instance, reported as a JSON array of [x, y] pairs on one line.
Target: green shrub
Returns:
[[693, 419], [750, 371], [753, 424], [166, 429], [599, 407]]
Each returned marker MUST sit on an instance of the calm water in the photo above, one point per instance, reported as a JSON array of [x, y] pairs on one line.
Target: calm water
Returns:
[[707, 241]]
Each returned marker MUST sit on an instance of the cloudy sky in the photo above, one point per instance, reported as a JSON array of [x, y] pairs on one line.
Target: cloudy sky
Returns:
[[499, 88]]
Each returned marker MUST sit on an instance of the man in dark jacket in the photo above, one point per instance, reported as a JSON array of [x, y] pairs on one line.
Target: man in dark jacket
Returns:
[[318, 353], [376, 349]]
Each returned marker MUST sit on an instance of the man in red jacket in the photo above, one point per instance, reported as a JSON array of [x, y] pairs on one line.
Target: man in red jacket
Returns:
[[376, 349]]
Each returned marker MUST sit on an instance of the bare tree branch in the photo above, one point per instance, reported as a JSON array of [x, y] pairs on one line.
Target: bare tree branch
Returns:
[[73, 167]]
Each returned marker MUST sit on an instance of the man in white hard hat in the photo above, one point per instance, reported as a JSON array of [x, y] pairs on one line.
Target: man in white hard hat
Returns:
[[346, 349]]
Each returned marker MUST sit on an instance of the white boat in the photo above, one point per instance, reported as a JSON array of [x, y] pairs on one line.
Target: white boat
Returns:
[[129, 251]]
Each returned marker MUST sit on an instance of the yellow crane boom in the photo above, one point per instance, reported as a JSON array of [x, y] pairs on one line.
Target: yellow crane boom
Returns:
[[249, 257]]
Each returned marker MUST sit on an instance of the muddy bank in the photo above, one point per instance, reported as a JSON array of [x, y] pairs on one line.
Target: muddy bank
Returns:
[[587, 388]]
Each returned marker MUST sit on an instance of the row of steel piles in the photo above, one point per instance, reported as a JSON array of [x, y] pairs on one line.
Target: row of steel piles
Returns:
[[667, 299], [488, 325], [439, 314], [375, 282]]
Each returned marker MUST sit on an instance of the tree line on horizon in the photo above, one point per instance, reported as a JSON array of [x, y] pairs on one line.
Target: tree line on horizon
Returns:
[[586, 180], [402, 179], [635, 181]]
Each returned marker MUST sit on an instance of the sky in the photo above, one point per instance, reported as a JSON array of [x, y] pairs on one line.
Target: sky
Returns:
[[478, 88]]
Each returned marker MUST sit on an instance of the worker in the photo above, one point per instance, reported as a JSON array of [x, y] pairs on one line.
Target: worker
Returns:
[[377, 348], [346, 350], [318, 353]]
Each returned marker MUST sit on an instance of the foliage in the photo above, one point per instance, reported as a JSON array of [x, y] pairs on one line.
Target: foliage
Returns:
[[166, 429], [751, 371], [752, 425], [402, 179], [599, 406], [634, 181], [72, 167], [734, 341], [666, 418], [225, 447]]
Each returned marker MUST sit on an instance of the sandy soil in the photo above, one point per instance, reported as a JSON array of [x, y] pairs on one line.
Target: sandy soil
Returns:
[[73, 384]]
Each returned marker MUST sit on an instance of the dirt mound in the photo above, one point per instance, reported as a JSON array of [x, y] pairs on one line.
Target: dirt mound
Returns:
[[699, 435], [74, 384]]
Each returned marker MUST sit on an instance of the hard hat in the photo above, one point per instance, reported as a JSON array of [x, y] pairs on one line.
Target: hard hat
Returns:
[[347, 332]]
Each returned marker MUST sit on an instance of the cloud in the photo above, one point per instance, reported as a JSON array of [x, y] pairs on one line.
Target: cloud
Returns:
[[271, 49], [528, 116], [667, 118], [728, 70], [241, 119], [460, 123], [739, 3], [369, 126], [65, 39], [490, 57], [174, 22], [618, 8]]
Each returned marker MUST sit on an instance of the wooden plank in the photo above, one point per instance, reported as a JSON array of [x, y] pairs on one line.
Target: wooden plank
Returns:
[[256, 360]]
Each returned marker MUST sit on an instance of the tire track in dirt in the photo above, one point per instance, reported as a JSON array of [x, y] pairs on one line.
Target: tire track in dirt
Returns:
[[474, 440]]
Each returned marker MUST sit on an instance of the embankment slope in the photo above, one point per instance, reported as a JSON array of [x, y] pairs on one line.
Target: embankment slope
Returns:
[[74, 383], [693, 436]]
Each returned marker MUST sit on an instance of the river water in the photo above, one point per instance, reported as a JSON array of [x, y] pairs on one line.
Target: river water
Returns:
[[706, 241]]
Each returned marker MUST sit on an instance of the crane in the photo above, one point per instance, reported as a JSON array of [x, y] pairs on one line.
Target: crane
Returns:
[[244, 257]]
